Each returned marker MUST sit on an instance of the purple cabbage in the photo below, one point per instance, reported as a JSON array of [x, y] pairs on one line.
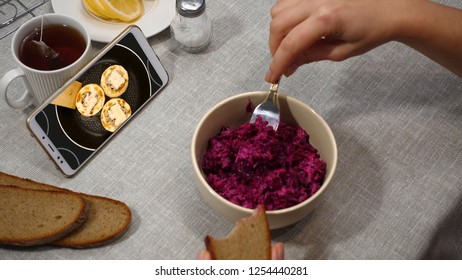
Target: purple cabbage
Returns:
[[253, 164]]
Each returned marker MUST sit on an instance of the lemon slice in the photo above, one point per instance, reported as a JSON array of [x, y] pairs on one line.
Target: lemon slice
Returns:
[[124, 10], [120, 10], [95, 8]]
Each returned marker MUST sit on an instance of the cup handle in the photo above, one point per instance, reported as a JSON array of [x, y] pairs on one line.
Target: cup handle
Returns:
[[25, 100]]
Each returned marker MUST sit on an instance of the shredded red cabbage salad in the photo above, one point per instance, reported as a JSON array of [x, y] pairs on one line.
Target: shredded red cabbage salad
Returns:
[[253, 164]]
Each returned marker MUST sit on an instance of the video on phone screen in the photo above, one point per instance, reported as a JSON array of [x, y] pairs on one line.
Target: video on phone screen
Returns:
[[100, 101]]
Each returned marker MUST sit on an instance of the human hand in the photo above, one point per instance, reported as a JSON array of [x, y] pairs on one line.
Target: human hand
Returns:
[[277, 253], [304, 31]]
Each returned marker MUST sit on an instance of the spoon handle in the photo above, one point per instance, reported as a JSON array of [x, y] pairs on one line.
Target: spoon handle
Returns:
[[273, 93]]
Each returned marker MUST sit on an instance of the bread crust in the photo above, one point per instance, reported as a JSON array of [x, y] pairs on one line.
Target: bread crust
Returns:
[[80, 239], [27, 217], [249, 239], [83, 236]]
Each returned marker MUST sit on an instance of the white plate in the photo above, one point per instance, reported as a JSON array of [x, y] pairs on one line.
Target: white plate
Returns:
[[157, 16]]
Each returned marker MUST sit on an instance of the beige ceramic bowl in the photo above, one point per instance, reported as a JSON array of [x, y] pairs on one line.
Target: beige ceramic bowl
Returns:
[[231, 113]]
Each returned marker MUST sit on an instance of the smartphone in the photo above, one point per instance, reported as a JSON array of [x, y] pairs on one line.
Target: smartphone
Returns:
[[71, 138]]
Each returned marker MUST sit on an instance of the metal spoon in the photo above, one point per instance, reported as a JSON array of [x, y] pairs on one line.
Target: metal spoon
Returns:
[[269, 108]]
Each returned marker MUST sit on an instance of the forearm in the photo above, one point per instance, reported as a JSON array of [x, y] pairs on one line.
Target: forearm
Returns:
[[435, 31]]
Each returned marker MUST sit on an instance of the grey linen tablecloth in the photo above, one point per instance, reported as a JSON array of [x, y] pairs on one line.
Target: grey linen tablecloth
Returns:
[[396, 116]]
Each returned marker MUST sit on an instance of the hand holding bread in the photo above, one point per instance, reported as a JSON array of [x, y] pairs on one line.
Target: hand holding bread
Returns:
[[249, 240]]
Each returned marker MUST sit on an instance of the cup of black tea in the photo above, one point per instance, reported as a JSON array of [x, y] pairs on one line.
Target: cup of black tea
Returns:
[[48, 49]]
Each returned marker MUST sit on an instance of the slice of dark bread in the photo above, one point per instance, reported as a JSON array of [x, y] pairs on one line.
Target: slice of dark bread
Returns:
[[249, 240], [35, 217], [107, 218]]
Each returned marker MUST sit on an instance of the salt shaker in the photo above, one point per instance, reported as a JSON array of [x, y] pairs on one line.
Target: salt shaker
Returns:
[[191, 28]]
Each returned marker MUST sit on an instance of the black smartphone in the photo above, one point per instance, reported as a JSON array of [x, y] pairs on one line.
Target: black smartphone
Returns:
[[71, 128]]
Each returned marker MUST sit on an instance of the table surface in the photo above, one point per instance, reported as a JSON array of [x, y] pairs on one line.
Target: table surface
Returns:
[[396, 116]]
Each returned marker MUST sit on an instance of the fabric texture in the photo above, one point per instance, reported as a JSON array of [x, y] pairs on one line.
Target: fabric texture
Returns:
[[396, 117]]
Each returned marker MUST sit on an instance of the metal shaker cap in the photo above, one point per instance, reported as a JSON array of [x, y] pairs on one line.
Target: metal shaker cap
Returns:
[[190, 8]]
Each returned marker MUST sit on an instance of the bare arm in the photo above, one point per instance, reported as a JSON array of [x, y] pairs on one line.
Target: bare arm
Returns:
[[436, 31], [303, 31]]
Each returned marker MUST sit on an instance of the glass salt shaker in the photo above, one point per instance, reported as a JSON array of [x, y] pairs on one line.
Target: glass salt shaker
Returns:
[[191, 28]]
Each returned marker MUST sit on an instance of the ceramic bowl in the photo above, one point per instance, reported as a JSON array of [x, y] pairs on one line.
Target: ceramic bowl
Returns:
[[231, 113]]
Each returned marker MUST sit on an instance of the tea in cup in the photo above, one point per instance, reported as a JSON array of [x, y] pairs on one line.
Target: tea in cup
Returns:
[[48, 49]]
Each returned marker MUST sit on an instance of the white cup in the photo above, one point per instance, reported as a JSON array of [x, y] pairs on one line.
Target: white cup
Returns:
[[40, 84]]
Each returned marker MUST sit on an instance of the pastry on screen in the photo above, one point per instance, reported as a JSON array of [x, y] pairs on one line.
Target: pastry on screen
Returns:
[[89, 100], [114, 113], [249, 240], [114, 81]]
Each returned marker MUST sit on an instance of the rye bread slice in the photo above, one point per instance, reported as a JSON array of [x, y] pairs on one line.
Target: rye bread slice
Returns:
[[107, 218], [250, 239], [35, 217]]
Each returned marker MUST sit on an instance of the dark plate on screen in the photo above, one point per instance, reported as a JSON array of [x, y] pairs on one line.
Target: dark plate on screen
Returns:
[[88, 132]]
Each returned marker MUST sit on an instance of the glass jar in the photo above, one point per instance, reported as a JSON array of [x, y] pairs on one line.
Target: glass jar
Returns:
[[191, 28]]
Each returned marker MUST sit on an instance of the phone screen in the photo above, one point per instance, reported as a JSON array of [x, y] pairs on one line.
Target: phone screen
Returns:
[[70, 137]]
